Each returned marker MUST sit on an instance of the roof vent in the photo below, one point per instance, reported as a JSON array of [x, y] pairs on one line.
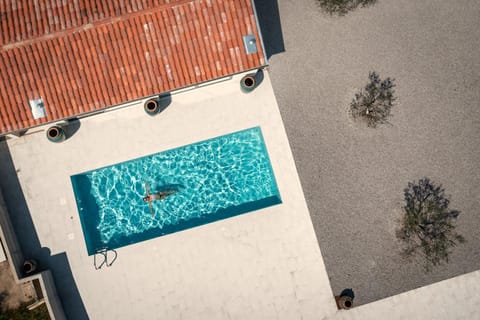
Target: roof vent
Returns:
[[250, 43], [38, 108]]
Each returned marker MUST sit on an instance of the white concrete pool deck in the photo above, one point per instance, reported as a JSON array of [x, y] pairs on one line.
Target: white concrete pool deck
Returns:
[[260, 265]]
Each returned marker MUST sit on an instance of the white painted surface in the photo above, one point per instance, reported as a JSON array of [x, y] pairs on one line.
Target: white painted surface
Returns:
[[260, 265], [455, 298], [3, 257]]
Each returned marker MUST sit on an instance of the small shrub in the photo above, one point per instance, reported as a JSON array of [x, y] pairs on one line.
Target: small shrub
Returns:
[[428, 223], [342, 7], [374, 102], [22, 313]]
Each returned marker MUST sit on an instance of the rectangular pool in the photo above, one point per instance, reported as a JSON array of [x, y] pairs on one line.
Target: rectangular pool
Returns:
[[214, 179]]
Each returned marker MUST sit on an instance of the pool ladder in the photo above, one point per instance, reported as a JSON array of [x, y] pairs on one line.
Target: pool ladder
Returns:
[[104, 258]]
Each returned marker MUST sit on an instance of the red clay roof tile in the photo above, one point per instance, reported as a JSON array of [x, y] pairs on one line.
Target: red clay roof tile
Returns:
[[90, 54]]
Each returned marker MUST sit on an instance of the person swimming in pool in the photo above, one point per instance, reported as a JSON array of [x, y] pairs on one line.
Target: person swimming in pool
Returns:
[[150, 197], [158, 195]]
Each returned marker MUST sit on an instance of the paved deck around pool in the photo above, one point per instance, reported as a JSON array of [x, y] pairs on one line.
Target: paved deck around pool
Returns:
[[260, 265]]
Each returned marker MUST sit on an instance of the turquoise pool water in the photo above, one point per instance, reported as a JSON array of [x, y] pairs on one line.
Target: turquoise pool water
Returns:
[[215, 179]]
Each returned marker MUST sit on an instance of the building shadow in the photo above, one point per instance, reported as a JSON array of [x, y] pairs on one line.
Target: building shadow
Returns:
[[270, 26], [71, 127], [27, 237], [164, 100]]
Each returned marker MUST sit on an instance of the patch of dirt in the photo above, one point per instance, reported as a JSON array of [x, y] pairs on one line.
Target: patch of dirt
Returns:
[[12, 295]]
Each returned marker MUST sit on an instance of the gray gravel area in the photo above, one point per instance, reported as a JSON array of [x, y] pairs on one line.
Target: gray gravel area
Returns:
[[353, 176]]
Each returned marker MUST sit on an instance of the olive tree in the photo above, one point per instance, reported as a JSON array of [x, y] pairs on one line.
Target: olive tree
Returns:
[[374, 102], [341, 7], [428, 223]]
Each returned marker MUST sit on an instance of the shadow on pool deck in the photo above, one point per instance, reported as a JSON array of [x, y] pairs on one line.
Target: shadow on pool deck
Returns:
[[29, 242], [270, 26]]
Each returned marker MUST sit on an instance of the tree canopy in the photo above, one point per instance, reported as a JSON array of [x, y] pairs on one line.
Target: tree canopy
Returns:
[[374, 102], [342, 7], [427, 224]]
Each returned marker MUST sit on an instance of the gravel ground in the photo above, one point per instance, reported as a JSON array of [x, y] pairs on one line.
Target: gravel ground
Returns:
[[353, 176]]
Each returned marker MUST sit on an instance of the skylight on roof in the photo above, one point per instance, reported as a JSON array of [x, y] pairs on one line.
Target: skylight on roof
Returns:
[[38, 108], [250, 43]]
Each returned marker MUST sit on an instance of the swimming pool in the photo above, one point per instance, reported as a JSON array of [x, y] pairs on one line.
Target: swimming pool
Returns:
[[215, 179]]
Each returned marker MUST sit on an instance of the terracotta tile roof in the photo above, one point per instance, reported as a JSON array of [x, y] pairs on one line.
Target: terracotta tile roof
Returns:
[[93, 54], [27, 19]]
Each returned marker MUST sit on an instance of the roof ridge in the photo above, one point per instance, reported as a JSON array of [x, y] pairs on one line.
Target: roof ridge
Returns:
[[96, 24]]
